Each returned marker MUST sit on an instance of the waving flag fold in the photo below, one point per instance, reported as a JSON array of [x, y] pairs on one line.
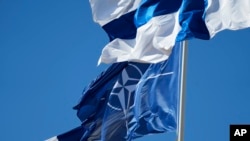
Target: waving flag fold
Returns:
[[146, 30], [129, 100]]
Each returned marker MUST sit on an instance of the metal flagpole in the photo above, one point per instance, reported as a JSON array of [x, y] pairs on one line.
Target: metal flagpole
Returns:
[[180, 136]]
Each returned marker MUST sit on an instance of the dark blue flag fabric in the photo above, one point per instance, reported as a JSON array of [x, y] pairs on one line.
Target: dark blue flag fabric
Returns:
[[129, 100]]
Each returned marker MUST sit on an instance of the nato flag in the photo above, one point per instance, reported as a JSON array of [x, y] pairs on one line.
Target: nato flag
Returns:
[[129, 100]]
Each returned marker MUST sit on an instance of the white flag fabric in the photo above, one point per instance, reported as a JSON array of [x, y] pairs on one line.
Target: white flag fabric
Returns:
[[146, 30]]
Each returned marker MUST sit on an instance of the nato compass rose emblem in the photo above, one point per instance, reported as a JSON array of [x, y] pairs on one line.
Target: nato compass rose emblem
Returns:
[[122, 95]]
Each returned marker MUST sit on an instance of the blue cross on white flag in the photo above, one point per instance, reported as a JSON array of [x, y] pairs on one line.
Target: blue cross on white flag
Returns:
[[146, 30]]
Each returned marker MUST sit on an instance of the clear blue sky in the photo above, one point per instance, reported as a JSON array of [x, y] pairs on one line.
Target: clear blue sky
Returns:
[[48, 54]]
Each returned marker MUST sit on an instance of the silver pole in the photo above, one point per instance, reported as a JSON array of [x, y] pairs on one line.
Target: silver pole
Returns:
[[180, 136]]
